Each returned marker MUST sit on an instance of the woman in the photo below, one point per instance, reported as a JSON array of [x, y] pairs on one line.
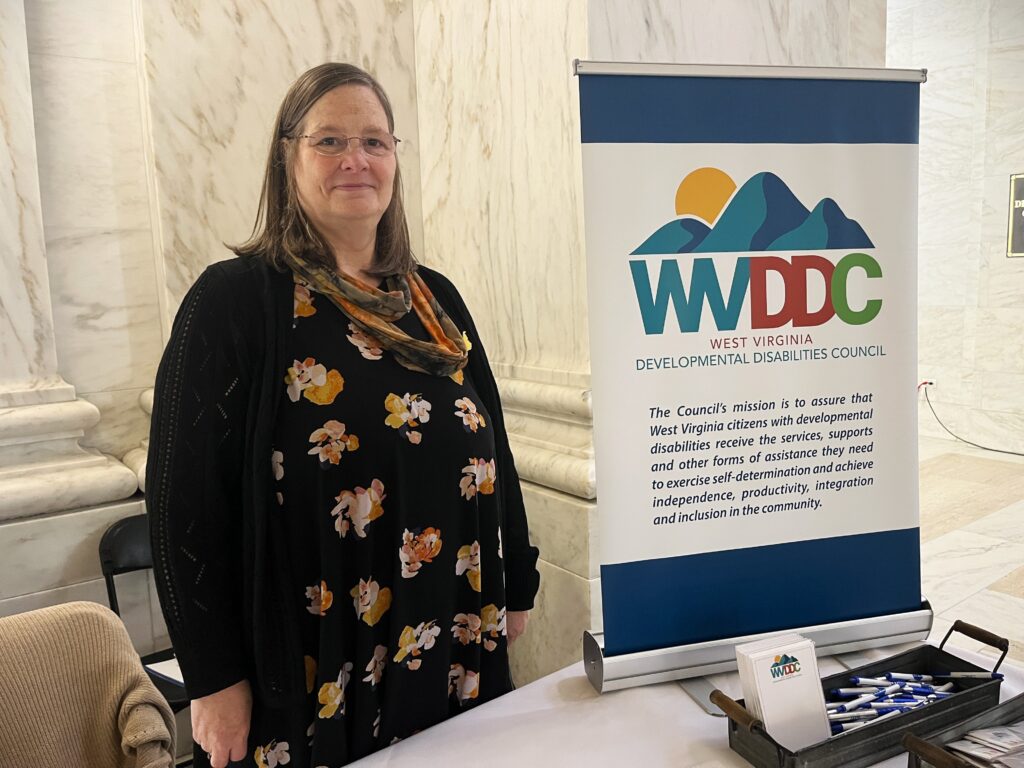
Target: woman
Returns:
[[338, 532]]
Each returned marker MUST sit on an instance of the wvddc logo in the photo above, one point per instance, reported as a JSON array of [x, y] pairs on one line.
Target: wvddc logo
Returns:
[[763, 215], [784, 666]]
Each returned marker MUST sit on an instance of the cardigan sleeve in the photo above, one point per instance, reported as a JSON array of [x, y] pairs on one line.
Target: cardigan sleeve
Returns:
[[522, 579], [193, 494]]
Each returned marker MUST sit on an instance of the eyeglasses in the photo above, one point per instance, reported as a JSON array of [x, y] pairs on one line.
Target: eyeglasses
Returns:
[[333, 146]]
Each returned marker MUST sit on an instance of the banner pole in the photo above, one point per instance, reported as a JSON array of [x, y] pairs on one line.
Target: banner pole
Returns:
[[629, 670], [581, 67]]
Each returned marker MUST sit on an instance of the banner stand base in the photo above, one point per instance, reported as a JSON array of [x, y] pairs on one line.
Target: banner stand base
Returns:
[[627, 670]]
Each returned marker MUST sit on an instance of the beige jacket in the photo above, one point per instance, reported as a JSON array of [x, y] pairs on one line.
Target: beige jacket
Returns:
[[74, 693]]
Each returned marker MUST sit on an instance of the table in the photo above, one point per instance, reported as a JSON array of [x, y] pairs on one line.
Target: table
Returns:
[[560, 720]]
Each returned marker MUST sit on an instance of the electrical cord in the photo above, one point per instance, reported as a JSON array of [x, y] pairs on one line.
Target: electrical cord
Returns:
[[924, 385]]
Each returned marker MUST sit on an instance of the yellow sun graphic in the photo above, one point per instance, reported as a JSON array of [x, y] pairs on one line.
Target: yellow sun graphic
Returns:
[[703, 193]]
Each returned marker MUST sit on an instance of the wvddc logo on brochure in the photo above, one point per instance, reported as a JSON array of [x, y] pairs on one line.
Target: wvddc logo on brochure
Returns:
[[785, 666], [761, 215]]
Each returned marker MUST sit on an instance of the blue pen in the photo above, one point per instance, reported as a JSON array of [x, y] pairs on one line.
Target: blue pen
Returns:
[[860, 714], [854, 691], [891, 710], [887, 703], [857, 703], [927, 691], [878, 682], [905, 676], [973, 675]]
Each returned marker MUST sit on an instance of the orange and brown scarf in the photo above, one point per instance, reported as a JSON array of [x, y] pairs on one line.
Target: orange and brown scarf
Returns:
[[374, 312]]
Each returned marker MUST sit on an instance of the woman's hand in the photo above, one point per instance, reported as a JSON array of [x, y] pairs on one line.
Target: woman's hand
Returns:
[[220, 723], [515, 623]]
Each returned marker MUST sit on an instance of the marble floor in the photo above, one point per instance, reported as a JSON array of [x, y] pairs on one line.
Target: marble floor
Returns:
[[972, 540]]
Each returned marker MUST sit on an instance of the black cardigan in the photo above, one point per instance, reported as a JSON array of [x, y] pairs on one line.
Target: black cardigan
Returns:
[[208, 483]]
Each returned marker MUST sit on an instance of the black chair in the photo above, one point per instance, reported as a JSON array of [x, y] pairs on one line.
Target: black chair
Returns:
[[125, 547]]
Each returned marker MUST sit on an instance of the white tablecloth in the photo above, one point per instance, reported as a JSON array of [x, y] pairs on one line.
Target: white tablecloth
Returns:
[[560, 720]]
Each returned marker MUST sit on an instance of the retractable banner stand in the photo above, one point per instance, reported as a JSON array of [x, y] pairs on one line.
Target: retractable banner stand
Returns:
[[751, 250]]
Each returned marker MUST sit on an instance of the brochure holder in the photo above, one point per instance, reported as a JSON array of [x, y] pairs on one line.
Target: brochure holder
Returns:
[[628, 670]]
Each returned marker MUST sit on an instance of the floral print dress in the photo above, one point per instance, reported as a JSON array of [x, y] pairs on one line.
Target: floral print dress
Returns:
[[385, 483]]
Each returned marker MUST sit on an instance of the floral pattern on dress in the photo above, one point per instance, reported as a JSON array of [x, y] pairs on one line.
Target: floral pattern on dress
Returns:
[[311, 380], [332, 695], [418, 547], [368, 346], [302, 304], [320, 599], [358, 508], [310, 664], [492, 620], [371, 601], [376, 666], [471, 419], [331, 441], [463, 684], [405, 413], [478, 476], [272, 755], [277, 467], [466, 628], [415, 640], [469, 563]]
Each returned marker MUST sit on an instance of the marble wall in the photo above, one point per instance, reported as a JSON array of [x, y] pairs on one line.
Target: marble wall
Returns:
[[499, 131], [972, 107], [827, 33]]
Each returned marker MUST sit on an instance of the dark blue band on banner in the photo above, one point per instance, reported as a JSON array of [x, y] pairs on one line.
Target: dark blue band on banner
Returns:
[[645, 109], [690, 599]]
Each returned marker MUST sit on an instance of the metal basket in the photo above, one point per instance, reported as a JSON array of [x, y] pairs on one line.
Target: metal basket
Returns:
[[929, 752], [875, 742]]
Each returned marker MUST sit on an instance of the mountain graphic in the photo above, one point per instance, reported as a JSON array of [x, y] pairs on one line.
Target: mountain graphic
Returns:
[[763, 215], [826, 227], [784, 659], [679, 236]]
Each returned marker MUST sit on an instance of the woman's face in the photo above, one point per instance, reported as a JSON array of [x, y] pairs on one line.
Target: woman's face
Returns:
[[353, 187]]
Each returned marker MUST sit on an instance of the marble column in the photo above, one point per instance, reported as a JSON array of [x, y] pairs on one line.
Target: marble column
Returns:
[[135, 459], [43, 469]]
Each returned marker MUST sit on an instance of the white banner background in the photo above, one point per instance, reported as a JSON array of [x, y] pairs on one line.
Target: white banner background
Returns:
[[629, 193]]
